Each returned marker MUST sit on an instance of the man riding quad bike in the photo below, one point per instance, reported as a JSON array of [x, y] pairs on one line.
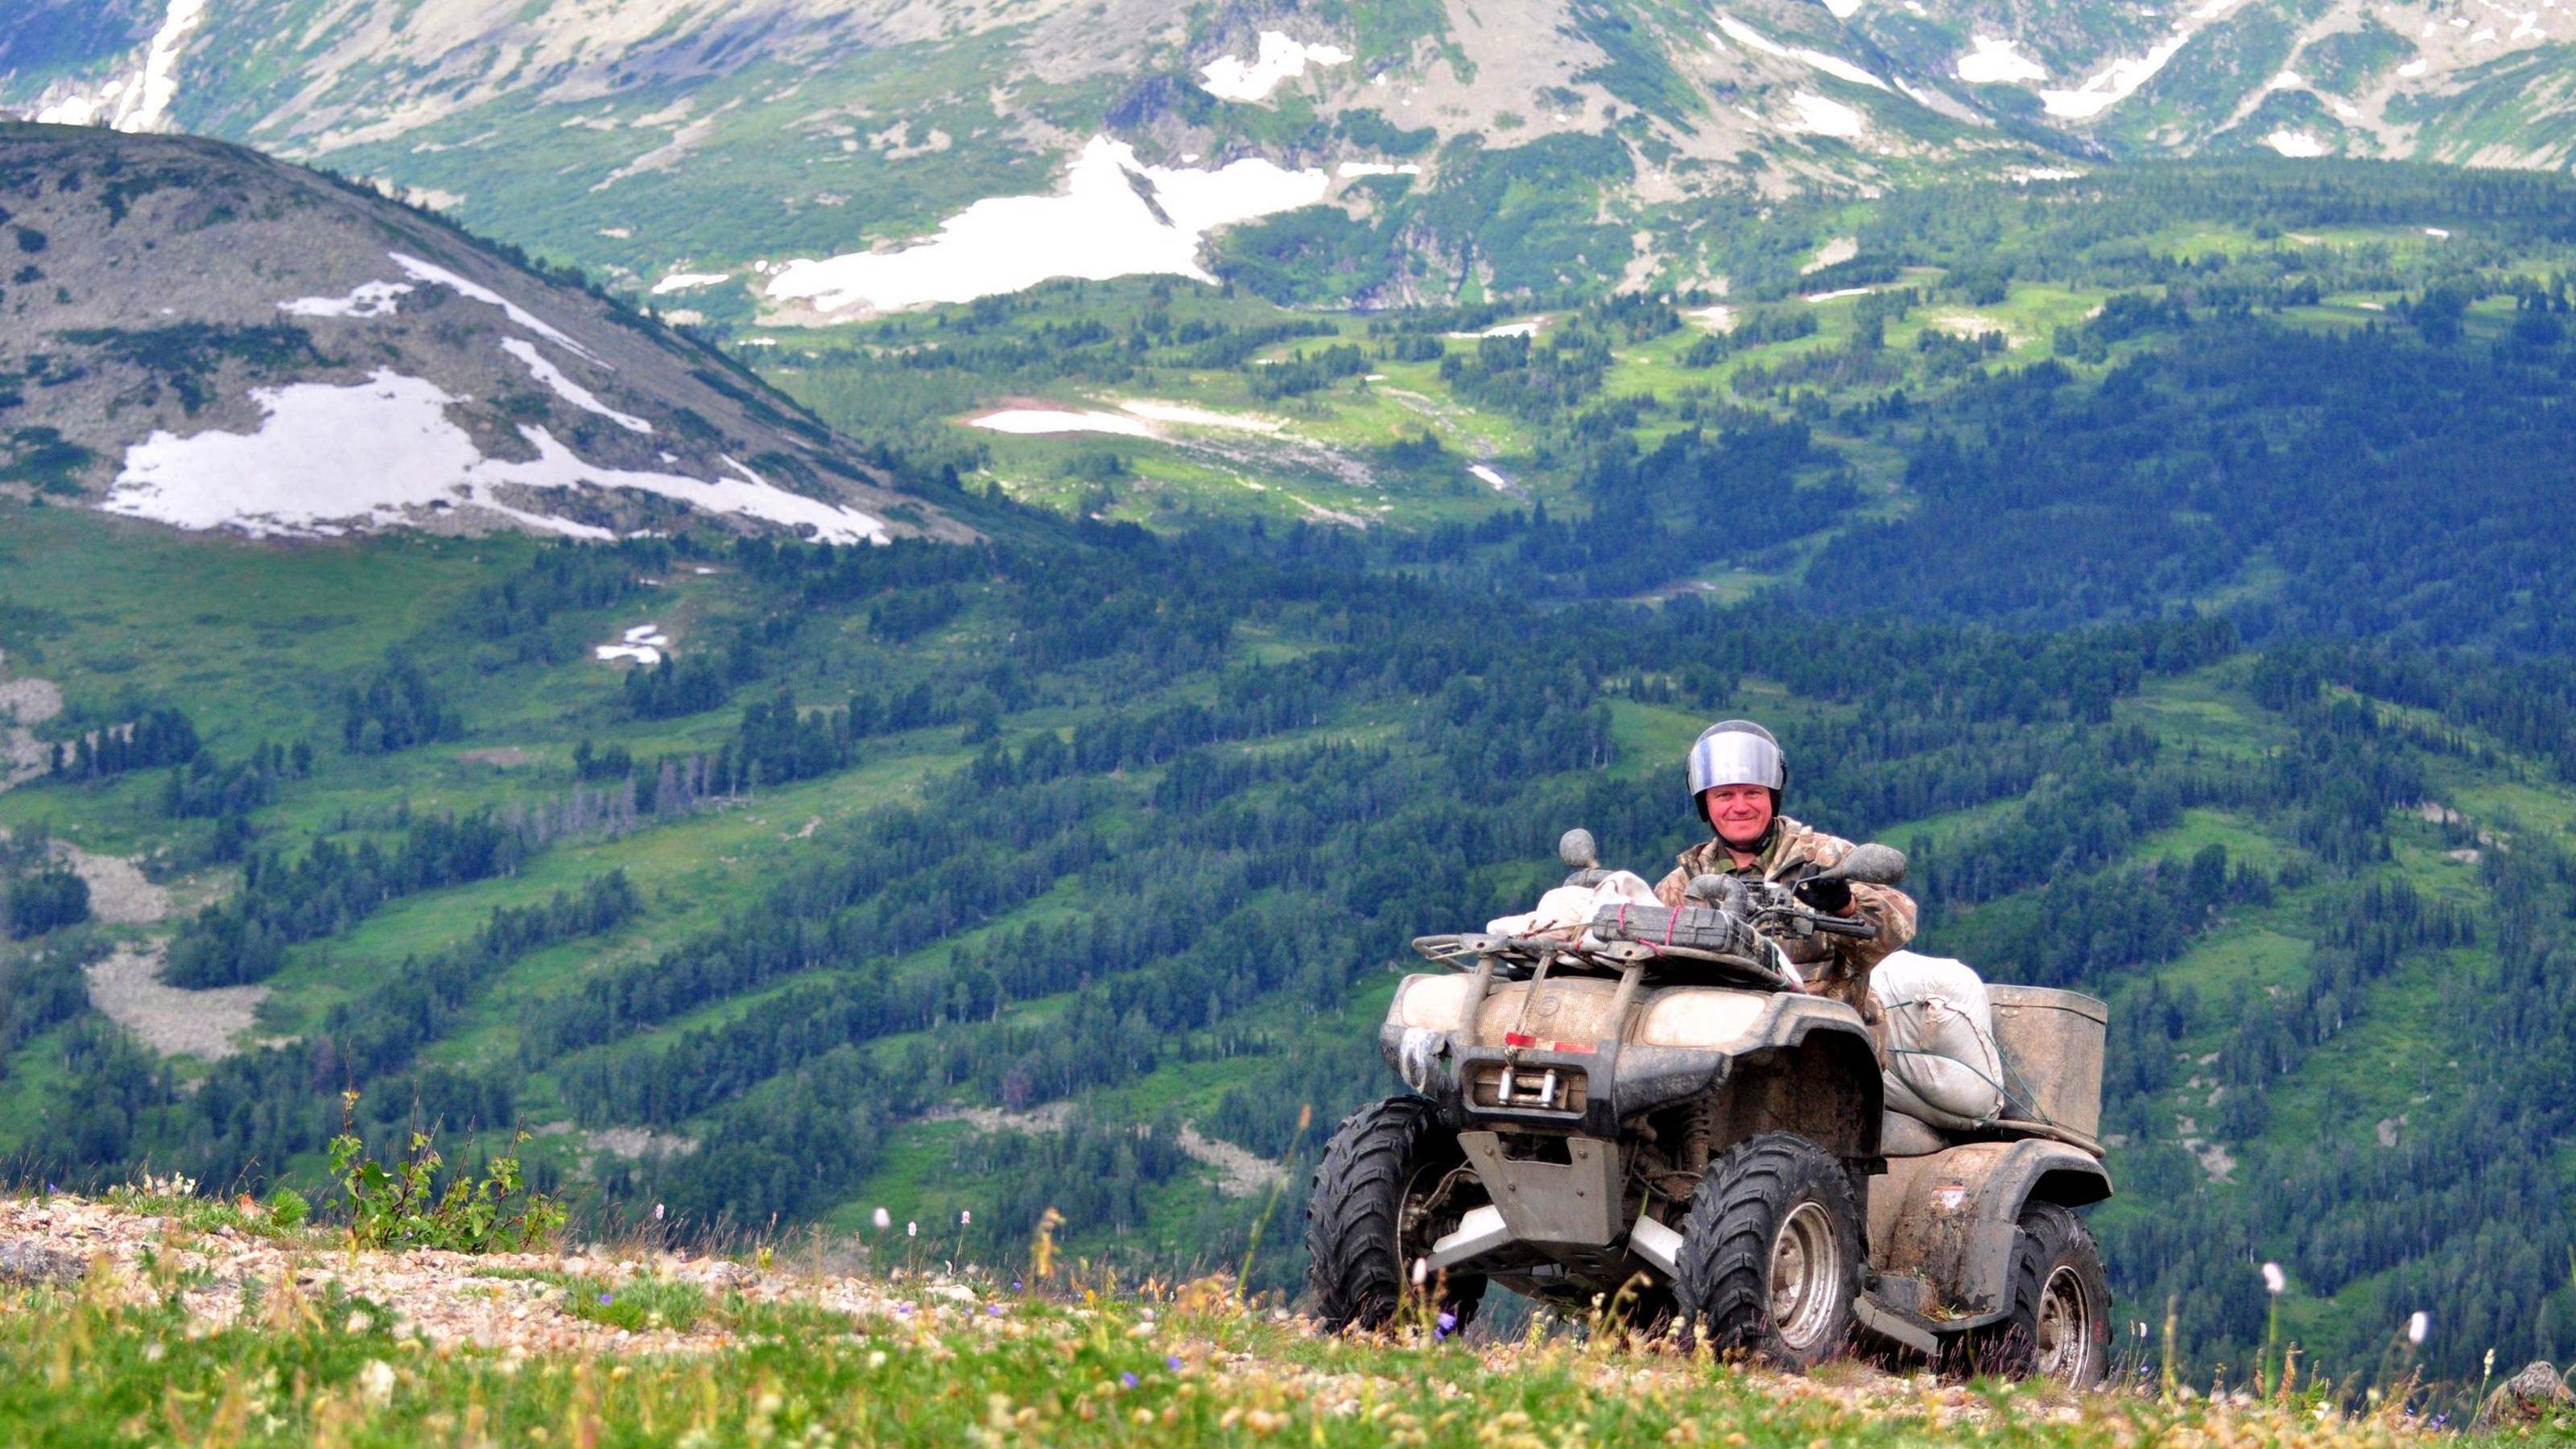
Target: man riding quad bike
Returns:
[[1626, 1104]]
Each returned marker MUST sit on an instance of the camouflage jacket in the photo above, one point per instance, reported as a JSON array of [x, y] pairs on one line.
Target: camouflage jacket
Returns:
[[1835, 966]]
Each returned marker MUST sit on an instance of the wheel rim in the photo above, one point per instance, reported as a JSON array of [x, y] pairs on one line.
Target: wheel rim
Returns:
[[1806, 1266], [2065, 1328], [1417, 1226]]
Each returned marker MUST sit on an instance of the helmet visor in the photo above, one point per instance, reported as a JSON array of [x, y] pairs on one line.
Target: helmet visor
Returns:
[[1735, 758]]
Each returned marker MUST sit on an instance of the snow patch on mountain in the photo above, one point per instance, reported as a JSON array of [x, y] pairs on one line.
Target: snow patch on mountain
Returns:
[[1832, 65], [642, 644], [432, 272], [161, 66], [567, 389], [1281, 59], [1099, 227], [140, 101], [1823, 117], [2300, 144], [2121, 78], [688, 282], [367, 299], [1998, 60], [1045, 422], [2113, 83], [383, 453]]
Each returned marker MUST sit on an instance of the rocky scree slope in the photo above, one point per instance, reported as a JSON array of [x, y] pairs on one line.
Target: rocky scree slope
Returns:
[[198, 335]]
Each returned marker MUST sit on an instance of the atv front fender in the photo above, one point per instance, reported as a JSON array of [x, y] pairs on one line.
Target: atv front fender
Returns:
[[1948, 1221]]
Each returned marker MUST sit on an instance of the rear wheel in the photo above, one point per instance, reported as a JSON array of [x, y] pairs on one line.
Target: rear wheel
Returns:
[[1771, 1256], [1392, 1182], [2060, 1324]]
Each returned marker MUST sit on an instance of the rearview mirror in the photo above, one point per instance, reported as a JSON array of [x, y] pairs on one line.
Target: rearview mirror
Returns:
[[1871, 864], [1576, 849]]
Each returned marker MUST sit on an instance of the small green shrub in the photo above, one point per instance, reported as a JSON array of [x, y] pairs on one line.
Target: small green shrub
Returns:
[[400, 1206]]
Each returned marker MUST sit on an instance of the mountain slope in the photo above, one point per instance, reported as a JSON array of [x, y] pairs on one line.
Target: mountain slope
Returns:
[[694, 150], [202, 336]]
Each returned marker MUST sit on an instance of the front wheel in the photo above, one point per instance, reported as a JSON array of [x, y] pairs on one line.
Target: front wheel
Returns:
[[1771, 1256], [1389, 1186], [2060, 1324]]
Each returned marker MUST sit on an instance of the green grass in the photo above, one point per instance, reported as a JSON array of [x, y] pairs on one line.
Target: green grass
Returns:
[[636, 1303], [1075, 1366]]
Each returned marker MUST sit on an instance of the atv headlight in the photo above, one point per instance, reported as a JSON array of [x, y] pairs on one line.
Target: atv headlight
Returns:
[[1707, 1019], [1431, 1002]]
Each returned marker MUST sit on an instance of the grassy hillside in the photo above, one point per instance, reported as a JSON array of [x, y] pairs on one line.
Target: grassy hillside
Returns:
[[1110, 833]]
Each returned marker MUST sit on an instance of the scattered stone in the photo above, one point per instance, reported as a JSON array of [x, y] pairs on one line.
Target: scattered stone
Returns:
[[448, 1298], [2526, 1398], [31, 1264]]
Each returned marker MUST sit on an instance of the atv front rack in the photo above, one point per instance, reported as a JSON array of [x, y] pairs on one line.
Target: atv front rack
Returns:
[[1622, 939]]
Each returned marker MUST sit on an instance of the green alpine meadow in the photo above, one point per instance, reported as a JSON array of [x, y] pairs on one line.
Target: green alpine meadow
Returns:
[[1337, 721]]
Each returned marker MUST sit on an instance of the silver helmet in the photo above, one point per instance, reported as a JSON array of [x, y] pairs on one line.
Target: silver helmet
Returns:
[[1737, 752]]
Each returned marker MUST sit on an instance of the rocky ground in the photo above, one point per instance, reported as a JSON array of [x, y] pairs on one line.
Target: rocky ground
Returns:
[[491, 1301], [224, 1326], [24, 704]]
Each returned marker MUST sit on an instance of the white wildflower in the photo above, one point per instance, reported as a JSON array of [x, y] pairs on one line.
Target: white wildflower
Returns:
[[376, 1381], [912, 1230], [2274, 1280], [2416, 1326], [964, 1217], [657, 1212], [885, 1220]]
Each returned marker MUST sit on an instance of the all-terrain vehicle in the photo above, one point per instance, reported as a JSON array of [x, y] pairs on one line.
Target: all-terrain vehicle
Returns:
[[1650, 1116]]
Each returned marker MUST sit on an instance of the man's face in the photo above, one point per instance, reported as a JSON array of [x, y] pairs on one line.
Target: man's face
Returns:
[[1740, 812]]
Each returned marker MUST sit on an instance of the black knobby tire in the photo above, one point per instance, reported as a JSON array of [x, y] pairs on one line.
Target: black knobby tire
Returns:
[[2060, 1323], [1771, 1256], [1359, 1263]]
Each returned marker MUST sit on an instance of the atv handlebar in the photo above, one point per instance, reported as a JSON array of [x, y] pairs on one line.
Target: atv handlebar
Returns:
[[1731, 926]]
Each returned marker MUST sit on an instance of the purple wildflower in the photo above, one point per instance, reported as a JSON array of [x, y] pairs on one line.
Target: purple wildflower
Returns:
[[904, 1308], [993, 1310], [1447, 1324], [1172, 1362], [1015, 1285], [607, 1298], [1127, 1379]]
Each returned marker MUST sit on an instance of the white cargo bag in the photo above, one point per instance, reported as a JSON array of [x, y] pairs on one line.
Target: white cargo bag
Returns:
[[1567, 913], [1942, 1066], [1567, 910]]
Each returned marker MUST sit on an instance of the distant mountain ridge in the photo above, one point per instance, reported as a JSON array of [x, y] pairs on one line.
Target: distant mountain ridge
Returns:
[[697, 150], [204, 337]]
